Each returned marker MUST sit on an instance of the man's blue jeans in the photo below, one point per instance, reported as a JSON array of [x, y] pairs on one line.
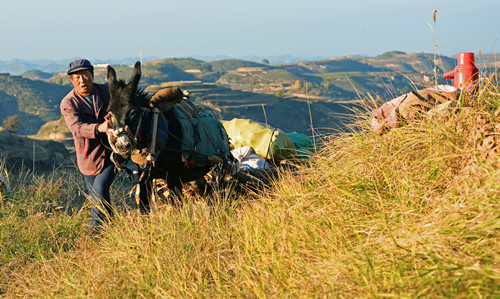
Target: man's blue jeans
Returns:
[[98, 187]]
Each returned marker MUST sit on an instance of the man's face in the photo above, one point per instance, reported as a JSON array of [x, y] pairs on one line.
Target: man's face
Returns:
[[82, 82]]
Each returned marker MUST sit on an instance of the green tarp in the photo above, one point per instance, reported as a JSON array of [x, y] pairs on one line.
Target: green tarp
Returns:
[[303, 145]]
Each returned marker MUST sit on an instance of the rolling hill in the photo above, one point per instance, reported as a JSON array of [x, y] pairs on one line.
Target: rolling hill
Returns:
[[35, 101], [240, 88]]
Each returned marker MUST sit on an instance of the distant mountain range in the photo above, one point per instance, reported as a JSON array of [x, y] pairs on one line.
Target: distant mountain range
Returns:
[[19, 66]]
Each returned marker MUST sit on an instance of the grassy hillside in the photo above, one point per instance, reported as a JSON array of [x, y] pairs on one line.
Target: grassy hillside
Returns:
[[411, 213], [36, 75], [19, 151], [411, 62], [343, 64]]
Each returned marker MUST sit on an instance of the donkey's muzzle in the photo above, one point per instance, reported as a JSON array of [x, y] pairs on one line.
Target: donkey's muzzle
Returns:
[[121, 142]]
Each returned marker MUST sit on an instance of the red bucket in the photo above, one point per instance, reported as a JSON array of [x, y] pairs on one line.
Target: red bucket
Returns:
[[465, 75]]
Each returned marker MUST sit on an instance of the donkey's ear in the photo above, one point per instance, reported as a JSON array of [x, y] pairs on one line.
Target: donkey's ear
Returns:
[[136, 76], [111, 77]]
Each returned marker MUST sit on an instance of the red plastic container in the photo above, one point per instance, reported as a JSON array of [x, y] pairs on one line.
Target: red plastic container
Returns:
[[465, 74]]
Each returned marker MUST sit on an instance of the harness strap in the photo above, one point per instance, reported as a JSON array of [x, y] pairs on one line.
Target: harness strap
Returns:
[[207, 133], [138, 126], [156, 112], [189, 111]]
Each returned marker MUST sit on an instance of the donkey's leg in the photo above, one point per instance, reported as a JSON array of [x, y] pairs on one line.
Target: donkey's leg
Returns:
[[201, 186], [175, 189], [145, 196]]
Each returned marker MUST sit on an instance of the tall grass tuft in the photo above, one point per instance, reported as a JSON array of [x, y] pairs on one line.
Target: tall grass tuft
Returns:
[[411, 213]]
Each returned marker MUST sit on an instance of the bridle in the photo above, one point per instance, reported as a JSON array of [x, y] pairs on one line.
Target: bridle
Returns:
[[127, 145], [121, 139]]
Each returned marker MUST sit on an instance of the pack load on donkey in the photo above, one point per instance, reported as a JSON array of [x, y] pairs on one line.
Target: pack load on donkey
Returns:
[[203, 135], [255, 145], [202, 131]]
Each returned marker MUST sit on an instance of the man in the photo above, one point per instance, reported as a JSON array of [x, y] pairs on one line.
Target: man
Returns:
[[84, 109]]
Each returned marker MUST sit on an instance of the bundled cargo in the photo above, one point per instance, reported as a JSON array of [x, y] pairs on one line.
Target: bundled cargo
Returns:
[[267, 142]]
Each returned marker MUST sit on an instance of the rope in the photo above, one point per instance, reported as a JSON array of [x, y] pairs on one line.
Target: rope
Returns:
[[269, 146], [208, 135]]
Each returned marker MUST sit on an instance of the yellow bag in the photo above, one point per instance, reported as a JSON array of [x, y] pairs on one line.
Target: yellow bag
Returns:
[[267, 142]]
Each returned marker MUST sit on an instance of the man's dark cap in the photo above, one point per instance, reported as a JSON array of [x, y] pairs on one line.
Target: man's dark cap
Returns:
[[78, 65]]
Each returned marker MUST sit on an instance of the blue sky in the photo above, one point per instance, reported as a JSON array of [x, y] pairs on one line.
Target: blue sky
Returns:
[[103, 29]]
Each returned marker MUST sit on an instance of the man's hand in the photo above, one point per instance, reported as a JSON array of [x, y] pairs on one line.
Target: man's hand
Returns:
[[104, 127]]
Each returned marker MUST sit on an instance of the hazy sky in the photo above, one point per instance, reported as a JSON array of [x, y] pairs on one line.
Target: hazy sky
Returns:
[[104, 29]]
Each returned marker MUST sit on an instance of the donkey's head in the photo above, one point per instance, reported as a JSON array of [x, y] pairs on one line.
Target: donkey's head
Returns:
[[123, 104], [124, 110]]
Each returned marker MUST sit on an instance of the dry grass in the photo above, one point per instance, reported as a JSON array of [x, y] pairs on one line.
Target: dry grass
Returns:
[[411, 213]]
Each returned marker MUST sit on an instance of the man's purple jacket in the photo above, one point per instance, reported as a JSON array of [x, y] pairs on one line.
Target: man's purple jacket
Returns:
[[92, 148]]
